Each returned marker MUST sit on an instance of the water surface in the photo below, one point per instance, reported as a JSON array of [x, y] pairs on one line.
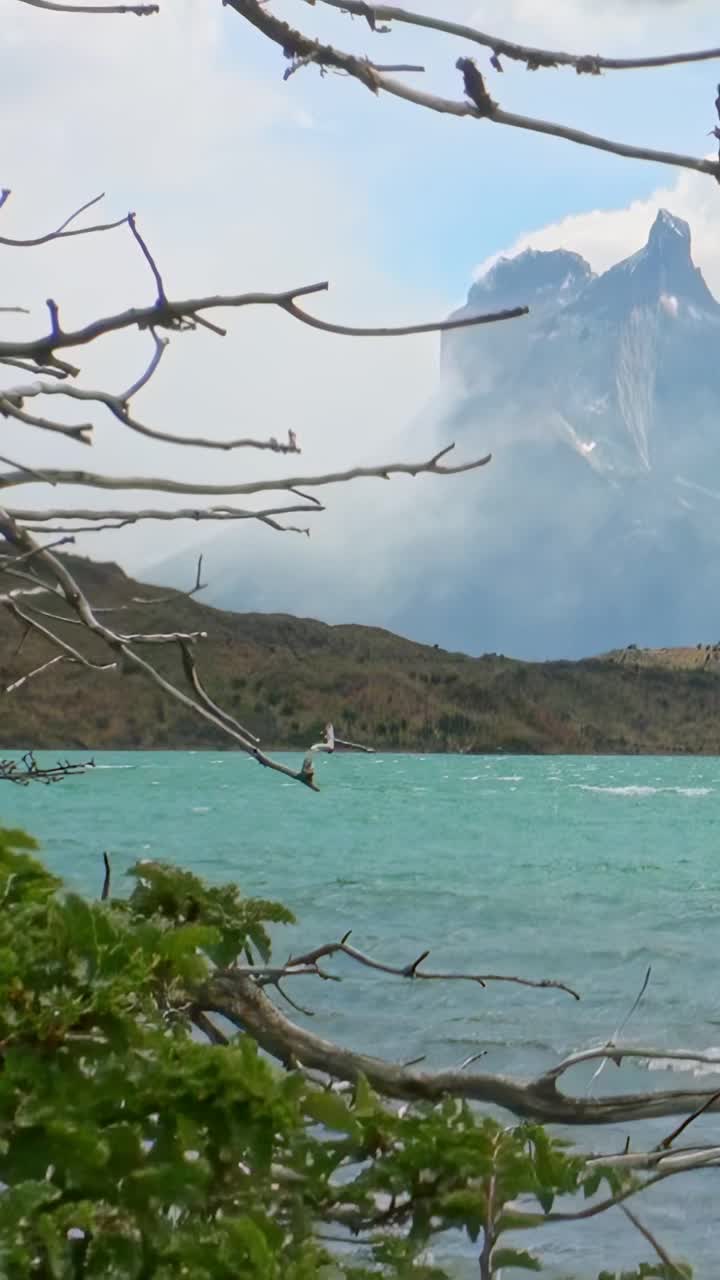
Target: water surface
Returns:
[[583, 869]]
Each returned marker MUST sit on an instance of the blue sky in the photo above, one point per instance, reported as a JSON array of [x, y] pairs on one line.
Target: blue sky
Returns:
[[446, 193]]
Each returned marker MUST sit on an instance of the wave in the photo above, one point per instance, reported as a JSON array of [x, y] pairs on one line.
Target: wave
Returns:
[[691, 792], [695, 1068], [116, 766]]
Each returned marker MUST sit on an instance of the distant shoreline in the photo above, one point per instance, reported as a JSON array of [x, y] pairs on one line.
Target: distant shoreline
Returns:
[[283, 677]]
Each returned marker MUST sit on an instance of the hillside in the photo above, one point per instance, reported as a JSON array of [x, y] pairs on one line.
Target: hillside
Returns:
[[284, 677]]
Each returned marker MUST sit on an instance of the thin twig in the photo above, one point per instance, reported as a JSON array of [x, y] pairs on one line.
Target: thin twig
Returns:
[[17, 684], [619, 1029], [17, 612], [31, 471], [161, 295], [309, 959], [667, 1142], [105, 892], [141, 10], [62, 232], [160, 345], [10, 409], [662, 1254], [118, 406]]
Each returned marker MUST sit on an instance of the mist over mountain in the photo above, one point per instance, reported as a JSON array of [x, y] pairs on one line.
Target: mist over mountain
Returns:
[[598, 523]]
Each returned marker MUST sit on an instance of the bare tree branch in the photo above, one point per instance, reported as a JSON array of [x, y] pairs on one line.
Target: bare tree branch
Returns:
[[141, 10], [616, 1053], [18, 613], [118, 407], [17, 684], [662, 1254], [534, 59], [295, 44], [412, 970], [28, 770], [105, 892], [667, 1142], [9, 409], [241, 1000], [22, 540], [123, 518], [203, 696], [159, 484], [36, 475], [170, 315], [62, 232]]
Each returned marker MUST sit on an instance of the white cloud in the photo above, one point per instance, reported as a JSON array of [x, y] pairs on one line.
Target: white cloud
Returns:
[[232, 193], [581, 23], [604, 236]]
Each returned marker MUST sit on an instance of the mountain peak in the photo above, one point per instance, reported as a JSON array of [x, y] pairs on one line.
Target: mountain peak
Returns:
[[669, 230], [531, 276], [663, 268]]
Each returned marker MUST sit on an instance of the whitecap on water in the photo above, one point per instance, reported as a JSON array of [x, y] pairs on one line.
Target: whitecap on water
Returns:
[[201, 808], [616, 791], [686, 1064], [115, 766], [509, 777], [691, 792]]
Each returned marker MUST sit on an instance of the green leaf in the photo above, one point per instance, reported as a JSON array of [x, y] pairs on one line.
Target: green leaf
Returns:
[[329, 1109], [365, 1099]]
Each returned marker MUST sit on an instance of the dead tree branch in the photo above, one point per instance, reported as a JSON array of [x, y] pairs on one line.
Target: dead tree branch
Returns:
[[16, 396], [533, 58], [62, 232], [297, 45], [119, 519], [27, 770], [242, 1001], [170, 315], [412, 970], [140, 10], [159, 484], [671, 1268]]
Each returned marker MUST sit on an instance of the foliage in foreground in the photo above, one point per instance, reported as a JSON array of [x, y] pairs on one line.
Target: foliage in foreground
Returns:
[[130, 1149]]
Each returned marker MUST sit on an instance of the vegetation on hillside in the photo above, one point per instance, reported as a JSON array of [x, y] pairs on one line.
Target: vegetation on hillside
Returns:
[[285, 677]]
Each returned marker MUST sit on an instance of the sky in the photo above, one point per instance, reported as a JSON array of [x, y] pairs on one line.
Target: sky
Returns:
[[243, 181]]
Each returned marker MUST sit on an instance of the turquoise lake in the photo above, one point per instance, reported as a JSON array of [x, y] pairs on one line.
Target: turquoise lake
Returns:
[[582, 869]]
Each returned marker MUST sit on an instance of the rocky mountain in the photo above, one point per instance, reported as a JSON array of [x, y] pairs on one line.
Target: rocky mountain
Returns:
[[604, 420], [598, 524]]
